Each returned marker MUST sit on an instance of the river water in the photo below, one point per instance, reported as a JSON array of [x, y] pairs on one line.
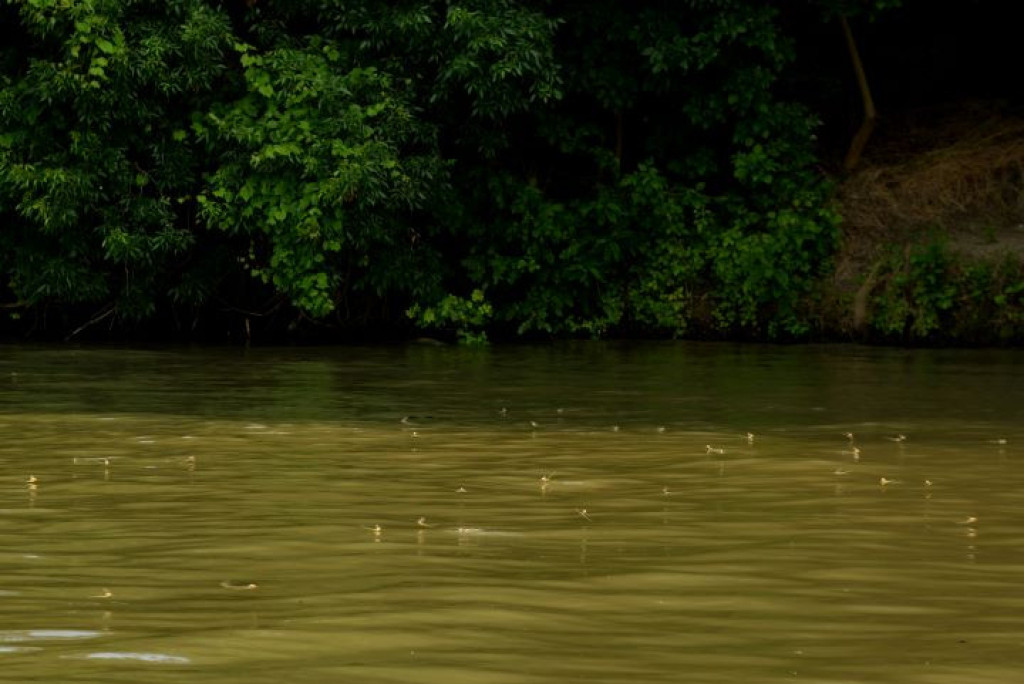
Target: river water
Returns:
[[591, 512]]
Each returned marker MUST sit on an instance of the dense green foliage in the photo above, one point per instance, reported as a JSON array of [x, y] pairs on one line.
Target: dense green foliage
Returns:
[[926, 293], [473, 166]]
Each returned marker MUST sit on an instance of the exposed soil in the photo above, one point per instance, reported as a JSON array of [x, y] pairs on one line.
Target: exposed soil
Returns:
[[953, 175]]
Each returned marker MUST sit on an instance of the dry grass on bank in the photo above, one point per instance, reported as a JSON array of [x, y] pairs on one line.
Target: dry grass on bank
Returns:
[[957, 173]]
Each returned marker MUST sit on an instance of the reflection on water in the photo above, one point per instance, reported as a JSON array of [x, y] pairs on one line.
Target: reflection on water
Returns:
[[654, 513]]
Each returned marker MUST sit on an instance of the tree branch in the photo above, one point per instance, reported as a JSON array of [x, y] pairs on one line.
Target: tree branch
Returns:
[[860, 140], [92, 321]]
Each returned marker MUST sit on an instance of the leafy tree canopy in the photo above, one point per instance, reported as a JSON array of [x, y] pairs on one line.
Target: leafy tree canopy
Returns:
[[479, 166]]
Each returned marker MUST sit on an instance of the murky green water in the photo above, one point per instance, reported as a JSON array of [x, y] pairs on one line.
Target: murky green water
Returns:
[[168, 481]]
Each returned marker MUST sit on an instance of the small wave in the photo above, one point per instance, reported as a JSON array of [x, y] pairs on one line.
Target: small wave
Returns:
[[144, 657], [19, 649], [47, 634]]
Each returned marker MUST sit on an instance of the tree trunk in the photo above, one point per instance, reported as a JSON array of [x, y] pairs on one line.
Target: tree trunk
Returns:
[[860, 140]]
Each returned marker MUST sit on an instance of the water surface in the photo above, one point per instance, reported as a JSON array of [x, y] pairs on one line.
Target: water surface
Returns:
[[232, 516]]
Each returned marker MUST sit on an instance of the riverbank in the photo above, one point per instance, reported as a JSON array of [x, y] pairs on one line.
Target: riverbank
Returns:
[[931, 253], [932, 248]]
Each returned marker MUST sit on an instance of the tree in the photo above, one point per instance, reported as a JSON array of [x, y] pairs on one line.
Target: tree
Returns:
[[521, 168], [97, 176]]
